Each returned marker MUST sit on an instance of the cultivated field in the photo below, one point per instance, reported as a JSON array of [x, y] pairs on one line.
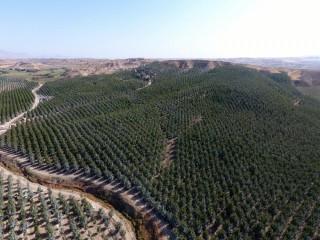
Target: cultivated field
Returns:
[[207, 149], [32, 211], [31, 74]]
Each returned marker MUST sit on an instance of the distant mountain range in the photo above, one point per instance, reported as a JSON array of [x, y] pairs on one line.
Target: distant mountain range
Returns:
[[284, 63], [12, 55], [311, 63]]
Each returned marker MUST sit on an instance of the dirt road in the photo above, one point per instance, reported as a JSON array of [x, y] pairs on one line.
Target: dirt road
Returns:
[[37, 98], [147, 85], [6, 126]]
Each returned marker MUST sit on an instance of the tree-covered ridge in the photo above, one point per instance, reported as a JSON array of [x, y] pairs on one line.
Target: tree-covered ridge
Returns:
[[229, 151], [15, 97]]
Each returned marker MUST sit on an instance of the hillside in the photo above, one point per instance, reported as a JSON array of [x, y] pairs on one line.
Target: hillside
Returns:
[[310, 63], [217, 150], [73, 67], [11, 55], [304, 71]]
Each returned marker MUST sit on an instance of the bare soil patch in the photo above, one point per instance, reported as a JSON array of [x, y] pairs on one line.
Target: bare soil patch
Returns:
[[198, 119], [170, 152], [295, 75]]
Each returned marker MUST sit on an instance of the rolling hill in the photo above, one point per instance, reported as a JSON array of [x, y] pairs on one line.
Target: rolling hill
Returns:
[[215, 148]]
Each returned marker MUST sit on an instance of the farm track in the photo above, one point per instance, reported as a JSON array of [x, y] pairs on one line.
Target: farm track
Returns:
[[11, 122], [62, 180], [170, 152], [147, 85]]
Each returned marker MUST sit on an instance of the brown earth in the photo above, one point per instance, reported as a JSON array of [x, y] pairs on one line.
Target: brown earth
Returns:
[[267, 69], [295, 75], [305, 78], [170, 152], [76, 67], [85, 67], [300, 77], [195, 63]]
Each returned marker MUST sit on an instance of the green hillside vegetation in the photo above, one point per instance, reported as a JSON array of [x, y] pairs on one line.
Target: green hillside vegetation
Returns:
[[15, 97], [228, 152]]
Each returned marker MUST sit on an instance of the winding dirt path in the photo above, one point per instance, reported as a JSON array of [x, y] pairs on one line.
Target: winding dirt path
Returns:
[[147, 85], [6, 126], [37, 98]]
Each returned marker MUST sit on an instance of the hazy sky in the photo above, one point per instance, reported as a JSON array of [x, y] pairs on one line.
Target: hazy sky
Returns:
[[160, 28]]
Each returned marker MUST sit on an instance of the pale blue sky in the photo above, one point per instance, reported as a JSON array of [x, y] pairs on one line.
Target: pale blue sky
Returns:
[[160, 28]]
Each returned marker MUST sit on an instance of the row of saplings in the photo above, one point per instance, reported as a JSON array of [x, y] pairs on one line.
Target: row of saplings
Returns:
[[28, 214], [15, 97]]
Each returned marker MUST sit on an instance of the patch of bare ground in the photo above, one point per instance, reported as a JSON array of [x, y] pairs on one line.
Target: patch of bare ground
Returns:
[[191, 63], [266, 69], [128, 201], [169, 155], [219, 228], [170, 152], [305, 78], [296, 102], [77, 67], [295, 75], [198, 119], [147, 85], [311, 77]]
